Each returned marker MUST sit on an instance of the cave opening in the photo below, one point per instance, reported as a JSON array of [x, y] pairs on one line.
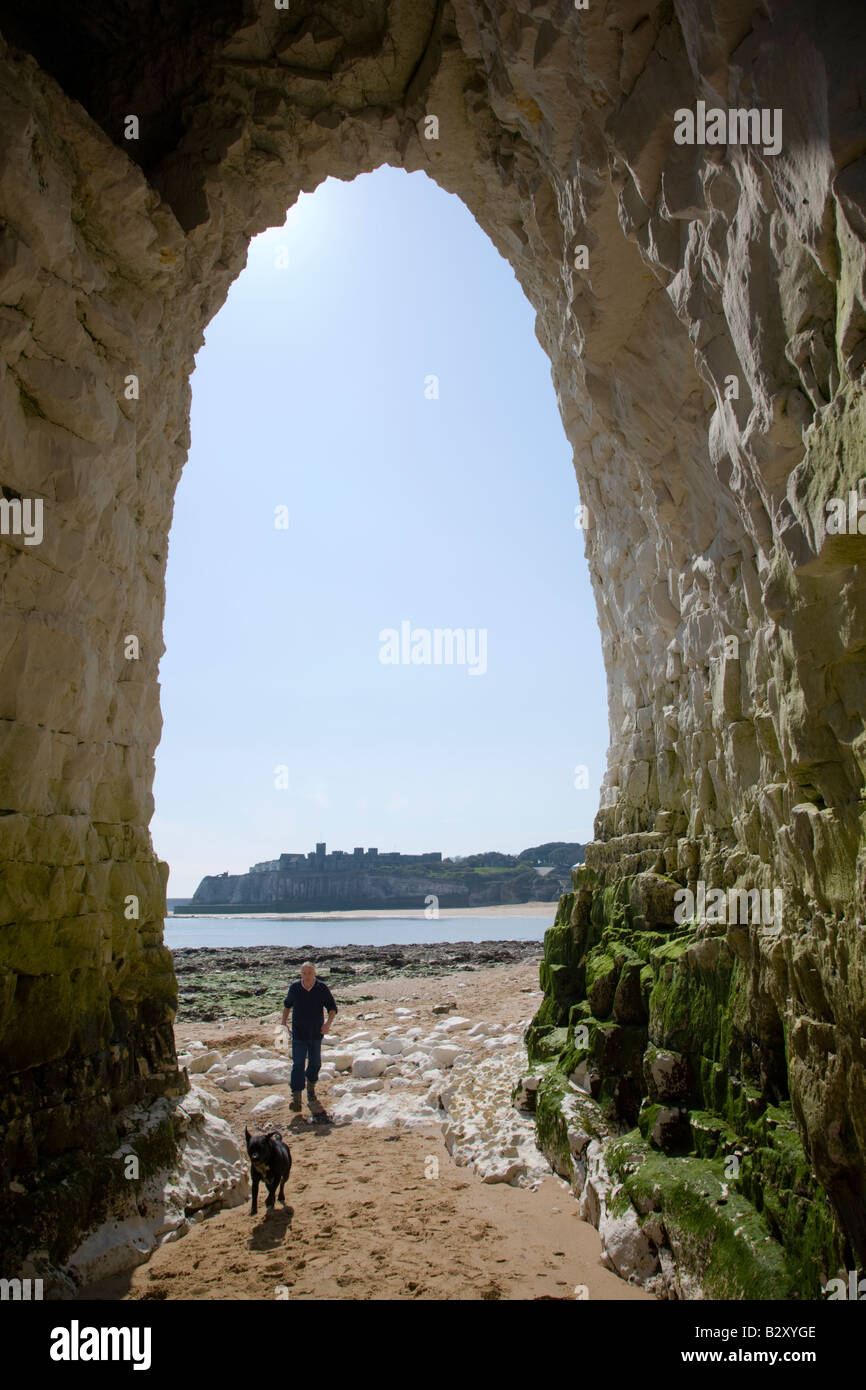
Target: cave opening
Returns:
[[369, 398]]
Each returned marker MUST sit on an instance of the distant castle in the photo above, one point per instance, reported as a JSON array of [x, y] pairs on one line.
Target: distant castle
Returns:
[[339, 860], [324, 882]]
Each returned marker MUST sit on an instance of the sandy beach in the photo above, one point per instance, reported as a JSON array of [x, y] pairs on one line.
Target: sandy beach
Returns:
[[533, 909], [381, 1212]]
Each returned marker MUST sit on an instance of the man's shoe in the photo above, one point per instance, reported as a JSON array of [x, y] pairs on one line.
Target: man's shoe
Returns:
[[295, 1103], [316, 1107]]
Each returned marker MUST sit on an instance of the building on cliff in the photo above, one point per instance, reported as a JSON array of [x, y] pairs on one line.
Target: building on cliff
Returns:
[[322, 882]]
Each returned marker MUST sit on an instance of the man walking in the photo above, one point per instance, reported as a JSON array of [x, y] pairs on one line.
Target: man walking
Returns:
[[306, 1001]]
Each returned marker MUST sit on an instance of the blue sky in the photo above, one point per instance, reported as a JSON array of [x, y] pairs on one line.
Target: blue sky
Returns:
[[448, 513]]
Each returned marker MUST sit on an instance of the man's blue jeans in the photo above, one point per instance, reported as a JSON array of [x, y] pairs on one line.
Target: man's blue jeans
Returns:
[[302, 1050]]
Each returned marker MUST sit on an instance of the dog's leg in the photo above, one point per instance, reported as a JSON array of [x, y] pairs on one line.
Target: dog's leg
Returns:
[[255, 1177], [282, 1192], [271, 1195]]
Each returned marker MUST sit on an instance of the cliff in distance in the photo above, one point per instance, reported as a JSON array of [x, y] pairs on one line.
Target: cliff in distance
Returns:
[[323, 882]]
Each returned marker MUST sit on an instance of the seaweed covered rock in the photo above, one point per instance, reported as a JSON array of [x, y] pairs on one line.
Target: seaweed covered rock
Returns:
[[675, 1125]]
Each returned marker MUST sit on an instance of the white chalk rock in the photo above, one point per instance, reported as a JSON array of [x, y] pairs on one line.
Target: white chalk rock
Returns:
[[232, 1082], [208, 1101], [392, 1046], [268, 1105], [330, 1040], [446, 1054], [264, 1071], [453, 1025], [358, 1038], [341, 1061], [203, 1061], [363, 1088], [448, 1092], [627, 1245], [417, 1058], [402, 1013], [503, 1170], [414, 1032], [369, 1064], [218, 1069], [243, 1054], [478, 1030]]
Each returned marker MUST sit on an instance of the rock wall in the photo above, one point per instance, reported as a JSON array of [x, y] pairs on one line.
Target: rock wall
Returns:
[[707, 349], [661, 1092]]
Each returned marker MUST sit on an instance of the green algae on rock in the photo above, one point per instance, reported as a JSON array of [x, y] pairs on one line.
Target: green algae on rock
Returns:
[[666, 1104]]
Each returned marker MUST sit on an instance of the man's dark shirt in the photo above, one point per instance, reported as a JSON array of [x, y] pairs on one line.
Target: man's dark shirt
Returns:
[[306, 1006]]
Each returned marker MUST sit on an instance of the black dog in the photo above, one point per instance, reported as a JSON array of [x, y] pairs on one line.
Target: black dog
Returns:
[[270, 1163]]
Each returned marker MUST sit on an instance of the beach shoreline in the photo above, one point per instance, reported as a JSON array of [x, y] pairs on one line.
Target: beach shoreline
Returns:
[[232, 982], [531, 909]]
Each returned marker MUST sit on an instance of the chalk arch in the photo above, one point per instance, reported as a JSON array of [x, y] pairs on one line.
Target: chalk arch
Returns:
[[730, 764]]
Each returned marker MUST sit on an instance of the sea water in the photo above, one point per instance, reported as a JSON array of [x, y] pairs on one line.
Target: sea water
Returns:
[[376, 931]]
